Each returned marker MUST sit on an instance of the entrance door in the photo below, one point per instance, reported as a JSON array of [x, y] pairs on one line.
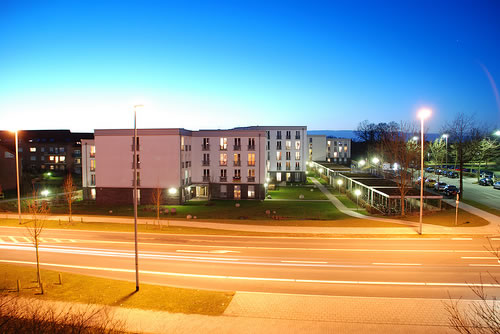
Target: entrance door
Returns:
[[237, 192]]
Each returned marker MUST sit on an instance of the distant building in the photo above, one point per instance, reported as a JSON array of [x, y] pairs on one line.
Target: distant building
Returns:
[[47, 150], [183, 164], [329, 149]]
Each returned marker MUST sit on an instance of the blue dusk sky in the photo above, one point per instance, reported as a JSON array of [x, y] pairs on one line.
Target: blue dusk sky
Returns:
[[82, 65]]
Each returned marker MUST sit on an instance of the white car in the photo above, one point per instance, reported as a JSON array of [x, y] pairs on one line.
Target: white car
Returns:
[[496, 185]]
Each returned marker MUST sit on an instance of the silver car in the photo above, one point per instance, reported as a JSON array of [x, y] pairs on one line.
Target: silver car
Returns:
[[496, 185]]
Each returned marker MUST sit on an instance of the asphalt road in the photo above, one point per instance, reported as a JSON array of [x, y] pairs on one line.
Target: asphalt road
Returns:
[[403, 267], [482, 194]]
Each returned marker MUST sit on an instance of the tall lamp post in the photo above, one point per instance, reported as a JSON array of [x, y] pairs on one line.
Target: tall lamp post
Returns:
[[17, 176], [134, 162], [357, 192], [422, 114], [445, 136]]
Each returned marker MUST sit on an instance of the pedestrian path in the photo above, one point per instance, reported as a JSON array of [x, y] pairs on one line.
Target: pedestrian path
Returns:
[[493, 219]]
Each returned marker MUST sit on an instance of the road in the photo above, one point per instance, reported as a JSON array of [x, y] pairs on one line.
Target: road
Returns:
[[482, 194], [402, 267]]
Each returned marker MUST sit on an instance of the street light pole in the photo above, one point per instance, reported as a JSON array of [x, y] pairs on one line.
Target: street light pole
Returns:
[[134, 161], [17, 176], [446, 138], [424, 113]]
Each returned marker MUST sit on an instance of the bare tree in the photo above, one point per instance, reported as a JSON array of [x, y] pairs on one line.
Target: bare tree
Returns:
[[69, 188], [398, 149], [437, 150], [463, 131], [157, 199], [39, 211]]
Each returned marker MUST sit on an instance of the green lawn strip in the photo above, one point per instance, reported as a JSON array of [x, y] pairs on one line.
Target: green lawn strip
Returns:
[[447, 218], [481, 206], [104, 291], [309, 193], [346, 201]]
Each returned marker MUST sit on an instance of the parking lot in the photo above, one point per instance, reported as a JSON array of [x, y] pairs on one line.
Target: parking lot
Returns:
[[472, 191]]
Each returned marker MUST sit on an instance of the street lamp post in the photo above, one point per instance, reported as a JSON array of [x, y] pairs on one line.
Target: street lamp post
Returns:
[[134, 161], [357, 192], [339, 182], [17, 177], [445, 136], [423, 114]]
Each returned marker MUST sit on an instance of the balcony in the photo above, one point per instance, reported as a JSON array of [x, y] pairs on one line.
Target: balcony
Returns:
[[237, 163], [223, 148], [205, 147], [205, 162], [237, 147], [251, 147], [251, 178], [206, 178], [297, 137], [297, 167], [288, 136], [223, 179], [236, 178], [251, 163], [278, 137], [92, 154], [222, 163], [278, 168], [288, 168]]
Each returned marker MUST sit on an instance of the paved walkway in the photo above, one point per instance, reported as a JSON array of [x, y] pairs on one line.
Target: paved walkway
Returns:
[[284, 313]]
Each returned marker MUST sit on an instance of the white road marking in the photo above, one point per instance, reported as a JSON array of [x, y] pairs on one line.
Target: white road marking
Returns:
[[484, 265], [396, 264], [314, 262], [27, 239], [13, 239], [209, 252], [57, 240], [293, 280], [478, 257], [190, 251], [1, 240]]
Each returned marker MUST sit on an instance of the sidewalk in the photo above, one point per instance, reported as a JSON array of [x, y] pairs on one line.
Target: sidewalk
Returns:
[[251, 312]]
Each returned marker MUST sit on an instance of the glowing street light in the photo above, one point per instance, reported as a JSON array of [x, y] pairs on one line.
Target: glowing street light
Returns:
[[339, 182], [375, 160], [497, 133], [445, 136], [357, 192], [362, 163], [17, 176], [422, 114], [415, 138]]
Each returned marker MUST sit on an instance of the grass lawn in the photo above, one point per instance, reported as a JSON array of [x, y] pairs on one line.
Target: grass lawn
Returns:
[[347, 201], [88, 289], [295, 192], [481, 206], [217, 209], [447, 218]]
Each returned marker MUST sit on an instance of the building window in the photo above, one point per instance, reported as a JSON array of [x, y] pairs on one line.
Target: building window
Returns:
[[268, 155], [51, 158], [251, 143], [61, 149], [237, 159], [223, 144], [251, 191], [223, 159], [92, 150], [78, 161], [237, 175], [278, 145], [289, 135], [329, 143], [92, 193], [62, 159], [33, 158], [297, 155], [278, 176], [268, 145], [340, 148], [345, 148], [310, 140], [237, 144], [237, 192], [32, 149], [288, 145], [20, 150], [278, 134], [278, 155], [268, 134], [288, 155], [92, 165], [42, 158], [297, 165], [297, 144], [297, 134], [223, 190], [92, 179], [335, 154], [251, 159], [182, 143], [278, 165], [288, 165], [42, 149]]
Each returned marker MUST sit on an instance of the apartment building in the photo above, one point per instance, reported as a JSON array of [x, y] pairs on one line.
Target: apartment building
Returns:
[[88, 169], [286, 152], [323, 148], [182, 163], [48, 150], [7, 168]]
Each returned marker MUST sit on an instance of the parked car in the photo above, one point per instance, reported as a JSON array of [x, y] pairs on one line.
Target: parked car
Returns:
[[486, 174], [439, 186], [485, 181], [429, 183], [439, 171], [450, 190], [429, 169], [452, 174], [496, 185]]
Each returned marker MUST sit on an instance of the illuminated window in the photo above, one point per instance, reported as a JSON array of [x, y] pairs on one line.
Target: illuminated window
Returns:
[[345, 148], [278, 155], [92, 150], [288, 145], [32, 149], [251, 159], [182, 143], [62, 159], [92, 179], [223, 159], [51, 158], [297, 155], [251, 191], [92, 165], [223, 143], [297, 144], [288, 155], [92, 193]]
